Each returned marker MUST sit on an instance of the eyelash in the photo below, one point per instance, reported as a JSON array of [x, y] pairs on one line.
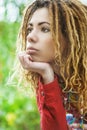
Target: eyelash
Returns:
[[43, 29], [29, 30]]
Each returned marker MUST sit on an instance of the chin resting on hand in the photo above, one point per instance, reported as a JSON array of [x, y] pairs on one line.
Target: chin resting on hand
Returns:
[[42, 68]]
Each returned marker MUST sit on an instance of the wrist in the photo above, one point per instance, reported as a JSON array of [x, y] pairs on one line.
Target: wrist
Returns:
[[48, 80], [48, 76]]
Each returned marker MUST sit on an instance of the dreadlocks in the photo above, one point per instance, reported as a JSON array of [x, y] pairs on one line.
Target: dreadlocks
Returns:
[[69, 16]]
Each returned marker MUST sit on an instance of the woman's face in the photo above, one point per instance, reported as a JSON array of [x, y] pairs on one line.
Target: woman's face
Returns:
[[40, 44]]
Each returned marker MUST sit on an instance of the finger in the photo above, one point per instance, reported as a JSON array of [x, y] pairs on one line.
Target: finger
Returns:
[[22, 56], [23, 53], [26, 61], [29, 64], [27, 51], [38, 67]]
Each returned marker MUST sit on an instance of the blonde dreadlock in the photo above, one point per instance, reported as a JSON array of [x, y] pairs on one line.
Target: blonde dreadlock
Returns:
[[71, 17]]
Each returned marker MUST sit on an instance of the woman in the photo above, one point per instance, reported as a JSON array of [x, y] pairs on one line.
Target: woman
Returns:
[[53, 56]]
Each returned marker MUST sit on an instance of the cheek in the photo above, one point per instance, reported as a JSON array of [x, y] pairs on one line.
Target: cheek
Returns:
[[51, 45], [47, 44], [50, 49]]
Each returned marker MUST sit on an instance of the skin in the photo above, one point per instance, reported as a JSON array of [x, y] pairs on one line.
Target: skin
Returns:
[[39, 37], [40, 51]]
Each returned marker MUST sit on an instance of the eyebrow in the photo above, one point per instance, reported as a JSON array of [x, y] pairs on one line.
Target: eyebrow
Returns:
[[40, 23]]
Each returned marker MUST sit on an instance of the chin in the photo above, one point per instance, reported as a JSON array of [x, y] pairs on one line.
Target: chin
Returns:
[[41, 60], [37, 59]]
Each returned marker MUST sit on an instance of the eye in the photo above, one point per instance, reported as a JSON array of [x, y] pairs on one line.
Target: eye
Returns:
[[29, 30], [45, 29]]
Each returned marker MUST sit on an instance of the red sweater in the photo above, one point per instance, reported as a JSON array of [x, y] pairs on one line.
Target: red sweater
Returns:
[[52, 112]]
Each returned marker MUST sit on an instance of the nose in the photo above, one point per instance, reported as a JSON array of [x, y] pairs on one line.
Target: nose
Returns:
[[32, 37]]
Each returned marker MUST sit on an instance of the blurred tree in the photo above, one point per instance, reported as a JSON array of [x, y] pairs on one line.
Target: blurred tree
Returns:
[[13, 9], [17, 110]]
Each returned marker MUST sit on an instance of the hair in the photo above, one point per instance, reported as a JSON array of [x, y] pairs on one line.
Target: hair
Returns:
[[70, 16]]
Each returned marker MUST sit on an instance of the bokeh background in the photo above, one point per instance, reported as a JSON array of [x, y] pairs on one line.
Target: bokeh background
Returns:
[[18, 110]]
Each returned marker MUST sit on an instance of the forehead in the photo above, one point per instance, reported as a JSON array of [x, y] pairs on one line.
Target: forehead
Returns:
[[40, 15]]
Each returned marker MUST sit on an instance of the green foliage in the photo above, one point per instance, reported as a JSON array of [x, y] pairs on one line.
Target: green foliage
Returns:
[[18, 111], [8, 34]]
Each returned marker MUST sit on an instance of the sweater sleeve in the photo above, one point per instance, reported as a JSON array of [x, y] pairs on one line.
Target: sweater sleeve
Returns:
[[51, 106]]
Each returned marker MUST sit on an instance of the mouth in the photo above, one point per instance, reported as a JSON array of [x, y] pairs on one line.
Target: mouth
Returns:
[[32, 50]]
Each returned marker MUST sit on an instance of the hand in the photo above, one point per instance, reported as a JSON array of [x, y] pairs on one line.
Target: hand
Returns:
[[44, 69], [76, 126]]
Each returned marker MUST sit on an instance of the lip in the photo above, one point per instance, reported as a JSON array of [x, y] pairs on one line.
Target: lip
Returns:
[[31, 50]]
